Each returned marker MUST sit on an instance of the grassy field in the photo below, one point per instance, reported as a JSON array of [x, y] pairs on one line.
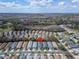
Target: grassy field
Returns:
[[5, 30]]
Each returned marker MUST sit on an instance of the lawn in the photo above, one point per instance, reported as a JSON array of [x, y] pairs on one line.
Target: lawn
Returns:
[[5, 30]]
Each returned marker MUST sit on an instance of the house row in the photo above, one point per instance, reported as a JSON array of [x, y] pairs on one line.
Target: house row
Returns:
[[20, 35], [35, 56], [28, 45]]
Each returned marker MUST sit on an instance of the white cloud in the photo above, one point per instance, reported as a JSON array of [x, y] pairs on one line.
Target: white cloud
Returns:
[[10, 5], [36, 4], [40, 3], [30, 3], [64, 5], [75, 0], [61, 3]]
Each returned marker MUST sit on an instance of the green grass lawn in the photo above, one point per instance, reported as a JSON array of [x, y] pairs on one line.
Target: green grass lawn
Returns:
[[68, 33], [5, 30], [77, 30]]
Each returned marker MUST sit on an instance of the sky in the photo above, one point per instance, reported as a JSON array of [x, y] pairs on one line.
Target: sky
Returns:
[[39, 6]]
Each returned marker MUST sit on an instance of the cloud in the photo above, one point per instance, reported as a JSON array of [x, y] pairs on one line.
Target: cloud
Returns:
[[29, 4], [61, 3], [75, 0], [10, 5], [39, 6], [40, 3], [66, 5]]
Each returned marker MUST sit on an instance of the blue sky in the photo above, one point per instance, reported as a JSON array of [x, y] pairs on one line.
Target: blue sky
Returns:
[[39, 6]]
